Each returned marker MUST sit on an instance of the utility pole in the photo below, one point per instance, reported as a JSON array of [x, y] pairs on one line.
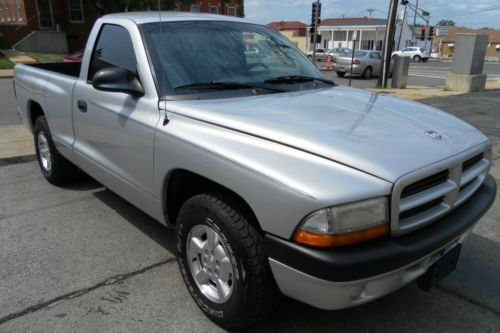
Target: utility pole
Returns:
[[388, 45], [413, 38], [403, 23], [370, 10], [315, 24]]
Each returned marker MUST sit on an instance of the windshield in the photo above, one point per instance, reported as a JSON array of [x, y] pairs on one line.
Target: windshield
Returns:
[[187, 54]]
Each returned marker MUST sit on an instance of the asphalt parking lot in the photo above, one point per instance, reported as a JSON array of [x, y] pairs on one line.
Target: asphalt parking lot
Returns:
[[81, 259]]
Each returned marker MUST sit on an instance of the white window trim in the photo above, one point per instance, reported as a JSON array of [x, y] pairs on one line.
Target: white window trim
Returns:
[[194, 6], [81, 10], [214, 6], [232, 8]]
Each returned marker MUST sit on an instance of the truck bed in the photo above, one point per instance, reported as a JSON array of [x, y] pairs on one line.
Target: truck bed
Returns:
[[66, 68]]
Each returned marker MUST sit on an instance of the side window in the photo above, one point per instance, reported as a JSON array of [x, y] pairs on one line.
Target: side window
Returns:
[[375, 55], [113, 48]]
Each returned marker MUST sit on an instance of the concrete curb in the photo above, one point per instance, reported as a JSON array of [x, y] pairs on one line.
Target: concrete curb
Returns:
[[17, 160]]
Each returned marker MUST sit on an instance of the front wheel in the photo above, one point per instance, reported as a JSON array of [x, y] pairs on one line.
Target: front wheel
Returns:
[[54, 167], [417, 58], [223, 262]]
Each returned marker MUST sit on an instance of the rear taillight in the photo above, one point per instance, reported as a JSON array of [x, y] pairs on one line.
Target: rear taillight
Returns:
[[356, 62]]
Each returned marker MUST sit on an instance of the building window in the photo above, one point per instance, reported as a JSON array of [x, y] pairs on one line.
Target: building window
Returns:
[[231, 11], [75, 11], [195, 8], [11, 11], [214, 9]]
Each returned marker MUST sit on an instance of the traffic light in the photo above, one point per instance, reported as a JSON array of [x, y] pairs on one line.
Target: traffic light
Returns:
[[431, 33], [422, 36], [316, 13]]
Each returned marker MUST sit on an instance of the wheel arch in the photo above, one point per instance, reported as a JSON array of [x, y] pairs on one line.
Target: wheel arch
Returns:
[[182, 184], [35, 110]]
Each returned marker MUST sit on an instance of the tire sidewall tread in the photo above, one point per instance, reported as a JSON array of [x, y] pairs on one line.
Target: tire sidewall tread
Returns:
[[254, 284]]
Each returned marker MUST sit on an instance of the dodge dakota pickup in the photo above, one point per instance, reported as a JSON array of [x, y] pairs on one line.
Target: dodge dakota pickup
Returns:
[[276, 180]]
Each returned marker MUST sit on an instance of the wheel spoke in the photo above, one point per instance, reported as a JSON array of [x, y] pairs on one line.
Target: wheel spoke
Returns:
[[213, 239], [202, 276], [197, 245], [226, 268], [223, 289], [49, 163]]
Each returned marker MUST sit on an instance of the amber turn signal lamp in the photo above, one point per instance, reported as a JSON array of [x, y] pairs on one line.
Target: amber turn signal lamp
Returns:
[[340, 240]]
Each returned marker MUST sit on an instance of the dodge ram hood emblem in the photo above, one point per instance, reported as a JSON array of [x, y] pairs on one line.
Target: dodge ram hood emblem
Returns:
[[433, 134]]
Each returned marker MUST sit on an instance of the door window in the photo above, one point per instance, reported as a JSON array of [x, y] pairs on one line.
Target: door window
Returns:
[[113, 48], [375, 55]]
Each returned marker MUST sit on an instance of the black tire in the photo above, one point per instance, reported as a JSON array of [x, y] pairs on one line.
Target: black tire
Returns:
[[254, 294], [425, 59], [340, 74], [61, 171], [417, 58], [367, 74]]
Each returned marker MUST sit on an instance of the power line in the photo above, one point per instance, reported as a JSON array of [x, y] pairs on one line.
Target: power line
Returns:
[[479, 11]]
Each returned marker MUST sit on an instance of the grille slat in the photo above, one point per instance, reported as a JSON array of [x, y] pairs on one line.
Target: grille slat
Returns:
[[425, 184], [423, 201]]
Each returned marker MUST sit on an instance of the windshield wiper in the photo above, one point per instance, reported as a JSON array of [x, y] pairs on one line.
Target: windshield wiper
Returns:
[[225, 85], [297, 79]]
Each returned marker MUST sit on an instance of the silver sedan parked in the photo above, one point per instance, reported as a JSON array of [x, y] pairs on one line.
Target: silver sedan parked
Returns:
[[366, 63]]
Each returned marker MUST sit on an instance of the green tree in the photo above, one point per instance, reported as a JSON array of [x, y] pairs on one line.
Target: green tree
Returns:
[[446, 23]]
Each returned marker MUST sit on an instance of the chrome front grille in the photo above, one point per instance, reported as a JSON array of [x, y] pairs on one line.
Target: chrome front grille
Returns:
[[423, 197]]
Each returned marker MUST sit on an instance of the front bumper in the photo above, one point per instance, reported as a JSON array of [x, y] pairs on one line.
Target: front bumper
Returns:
[[345, 277]]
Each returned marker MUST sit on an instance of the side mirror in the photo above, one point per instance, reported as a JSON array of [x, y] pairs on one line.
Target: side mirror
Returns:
[[117, 79]]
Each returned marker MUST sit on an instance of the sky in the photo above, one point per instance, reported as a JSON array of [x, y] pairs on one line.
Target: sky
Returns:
[[472, 14]]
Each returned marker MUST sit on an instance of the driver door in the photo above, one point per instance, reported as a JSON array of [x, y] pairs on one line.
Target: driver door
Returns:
[[114, 130]]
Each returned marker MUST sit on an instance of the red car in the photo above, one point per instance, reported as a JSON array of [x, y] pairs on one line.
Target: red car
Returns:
[[75, 57]]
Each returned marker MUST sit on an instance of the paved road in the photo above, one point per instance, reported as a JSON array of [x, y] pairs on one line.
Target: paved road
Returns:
[[81, 259], [8, 113], [432, 74]]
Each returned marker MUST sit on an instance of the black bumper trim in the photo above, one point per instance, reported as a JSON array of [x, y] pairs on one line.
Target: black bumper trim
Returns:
[[386, 254]]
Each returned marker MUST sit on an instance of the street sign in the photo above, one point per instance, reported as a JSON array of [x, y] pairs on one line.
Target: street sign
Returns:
[[424, 13]]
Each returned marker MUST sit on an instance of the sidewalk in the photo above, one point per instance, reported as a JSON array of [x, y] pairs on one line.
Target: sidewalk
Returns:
[[6, 73], [423, 92], [15, 142]]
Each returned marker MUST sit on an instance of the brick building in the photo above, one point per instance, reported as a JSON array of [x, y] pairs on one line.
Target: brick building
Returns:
[[62, 25]]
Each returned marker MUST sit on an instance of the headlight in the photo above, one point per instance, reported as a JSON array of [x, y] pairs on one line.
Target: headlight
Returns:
[[345, 225]]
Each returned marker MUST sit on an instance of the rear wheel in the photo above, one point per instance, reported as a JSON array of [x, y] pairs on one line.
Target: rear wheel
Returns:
[[417, 58], [340, 74], [223, 262], [55, 168], [367, 74]]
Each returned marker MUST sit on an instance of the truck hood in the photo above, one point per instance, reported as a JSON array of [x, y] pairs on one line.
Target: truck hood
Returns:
[[382, 135]]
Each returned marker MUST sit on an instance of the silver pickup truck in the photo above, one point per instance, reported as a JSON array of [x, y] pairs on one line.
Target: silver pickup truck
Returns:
[[276, 180]]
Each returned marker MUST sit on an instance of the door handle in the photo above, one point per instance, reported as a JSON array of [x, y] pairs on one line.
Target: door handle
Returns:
[[82, 106]]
